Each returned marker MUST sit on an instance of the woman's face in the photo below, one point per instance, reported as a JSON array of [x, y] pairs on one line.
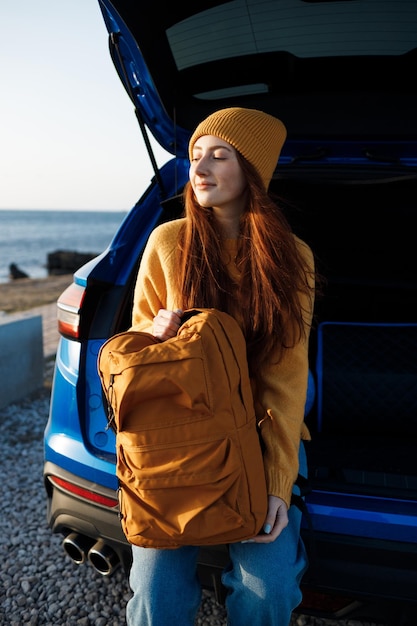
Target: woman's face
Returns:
[[216, 176]]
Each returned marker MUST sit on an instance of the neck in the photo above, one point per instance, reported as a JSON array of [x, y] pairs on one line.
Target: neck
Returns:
[[229, 231], [228, 222]]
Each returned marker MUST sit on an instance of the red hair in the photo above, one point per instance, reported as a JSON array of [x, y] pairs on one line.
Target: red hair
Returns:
[[274, 274]]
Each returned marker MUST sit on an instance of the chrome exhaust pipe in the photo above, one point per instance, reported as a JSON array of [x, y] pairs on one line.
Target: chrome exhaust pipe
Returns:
[[103, 558], [77, 547]]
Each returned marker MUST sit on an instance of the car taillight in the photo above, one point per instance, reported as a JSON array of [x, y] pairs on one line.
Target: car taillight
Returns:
[[83, 493], [69, 310]]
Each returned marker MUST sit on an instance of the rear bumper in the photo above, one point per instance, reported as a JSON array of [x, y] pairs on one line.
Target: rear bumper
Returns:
[[69, 513], [362, 567], [365, 570], [361, 545]]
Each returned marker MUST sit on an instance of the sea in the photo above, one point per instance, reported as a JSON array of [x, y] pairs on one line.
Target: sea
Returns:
[[27, 236]]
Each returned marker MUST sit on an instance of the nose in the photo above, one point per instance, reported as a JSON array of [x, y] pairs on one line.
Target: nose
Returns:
[[201, 166]]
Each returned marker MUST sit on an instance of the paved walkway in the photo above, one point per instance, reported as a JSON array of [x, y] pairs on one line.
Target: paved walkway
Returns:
[[49, 325]]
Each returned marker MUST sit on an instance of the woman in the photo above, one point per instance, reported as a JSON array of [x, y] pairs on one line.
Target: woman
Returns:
[[234, 251]]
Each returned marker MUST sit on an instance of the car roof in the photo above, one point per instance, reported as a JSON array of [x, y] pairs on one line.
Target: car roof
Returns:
[[336, 69]]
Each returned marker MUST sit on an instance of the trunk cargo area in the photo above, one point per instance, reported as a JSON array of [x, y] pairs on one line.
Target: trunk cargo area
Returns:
[[364, 339]]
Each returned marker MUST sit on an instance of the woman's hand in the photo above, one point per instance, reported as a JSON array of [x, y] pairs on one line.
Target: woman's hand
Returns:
[[166, 324], [275, 522]]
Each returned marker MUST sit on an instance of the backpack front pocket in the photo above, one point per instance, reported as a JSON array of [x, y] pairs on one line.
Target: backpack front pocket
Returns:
[[165, 386], [176, 496]]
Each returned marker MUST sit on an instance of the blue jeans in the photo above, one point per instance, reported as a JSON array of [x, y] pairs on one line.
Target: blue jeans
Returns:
[[262, 580]]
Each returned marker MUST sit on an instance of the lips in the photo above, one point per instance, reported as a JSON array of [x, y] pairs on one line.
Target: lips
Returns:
[[204, 186]]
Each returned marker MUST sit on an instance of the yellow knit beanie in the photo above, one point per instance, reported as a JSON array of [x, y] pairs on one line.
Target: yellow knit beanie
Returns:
[[259, 137]]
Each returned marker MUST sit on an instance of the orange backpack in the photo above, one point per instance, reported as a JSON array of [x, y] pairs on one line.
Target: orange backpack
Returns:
[[189, 460]]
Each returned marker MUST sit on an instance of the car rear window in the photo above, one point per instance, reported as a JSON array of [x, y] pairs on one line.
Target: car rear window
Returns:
[[304, 29]]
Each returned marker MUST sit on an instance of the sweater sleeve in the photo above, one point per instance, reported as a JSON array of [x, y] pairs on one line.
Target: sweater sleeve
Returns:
[[153, 289], [281, 396]]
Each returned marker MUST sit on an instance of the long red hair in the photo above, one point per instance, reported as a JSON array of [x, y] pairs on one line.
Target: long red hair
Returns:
[[274, 275]]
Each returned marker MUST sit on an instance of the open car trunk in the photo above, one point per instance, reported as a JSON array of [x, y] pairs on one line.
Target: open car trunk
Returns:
[[338, 75], [363, 348], [364, 340]]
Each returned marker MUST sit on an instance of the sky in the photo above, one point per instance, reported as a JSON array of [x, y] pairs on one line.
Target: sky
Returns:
[[69, 138]]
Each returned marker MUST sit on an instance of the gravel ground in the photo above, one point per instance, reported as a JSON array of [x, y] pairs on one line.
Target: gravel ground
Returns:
[[39, 584]]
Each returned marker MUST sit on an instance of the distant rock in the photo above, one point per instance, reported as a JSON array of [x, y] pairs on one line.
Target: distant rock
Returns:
[[15, 272], [67, 261]]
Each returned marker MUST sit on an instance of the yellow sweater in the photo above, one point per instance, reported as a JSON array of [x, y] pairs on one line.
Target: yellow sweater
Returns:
[[280, 395]]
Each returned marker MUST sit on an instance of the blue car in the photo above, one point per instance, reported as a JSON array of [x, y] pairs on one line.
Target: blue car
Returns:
[[341, 75]]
